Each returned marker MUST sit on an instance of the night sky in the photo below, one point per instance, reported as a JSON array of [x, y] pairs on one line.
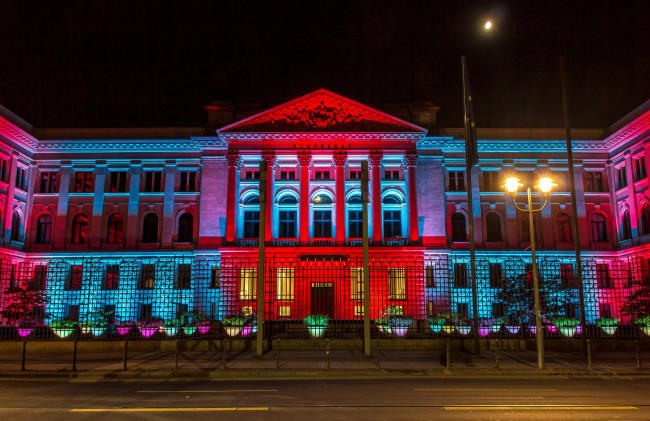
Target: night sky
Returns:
[[136, 63]]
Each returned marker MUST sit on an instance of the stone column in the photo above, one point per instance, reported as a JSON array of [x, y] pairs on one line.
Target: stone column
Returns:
[[168, 205], [304, 158], [58, 240], [131, 232], [231, 196], [269, 157], [95, 229], [411, 159], [375, 195], [340, 159]]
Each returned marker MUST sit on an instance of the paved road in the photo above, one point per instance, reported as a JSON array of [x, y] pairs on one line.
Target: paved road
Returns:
[[372, 399]]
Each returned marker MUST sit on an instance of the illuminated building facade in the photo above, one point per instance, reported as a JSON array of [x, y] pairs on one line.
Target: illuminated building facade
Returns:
[[153, 222]]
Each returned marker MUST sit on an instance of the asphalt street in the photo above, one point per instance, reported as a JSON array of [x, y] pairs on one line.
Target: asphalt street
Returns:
[[368, 399]]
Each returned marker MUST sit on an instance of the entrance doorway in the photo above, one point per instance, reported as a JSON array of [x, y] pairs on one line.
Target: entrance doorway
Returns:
[[322, 298]]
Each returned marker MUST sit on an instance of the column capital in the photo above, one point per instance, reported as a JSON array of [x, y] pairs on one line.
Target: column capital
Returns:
[[411, 159], [233, 158], [340, 158], [375, 158], [269, 157], [304, 158]]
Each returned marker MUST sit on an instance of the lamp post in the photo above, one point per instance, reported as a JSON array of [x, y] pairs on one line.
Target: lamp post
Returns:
[[544, 187]]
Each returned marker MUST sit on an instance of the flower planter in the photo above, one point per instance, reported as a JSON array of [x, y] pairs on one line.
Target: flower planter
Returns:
[[464, 330], [551, 328], [246, 330], [85, 329], [189, 330], [170, 330], [495, 328], [123, 330], [533, 329], [232, 330], [63, 332], [484, 331], [148, 331], [513, 329], [645, 329], [568, 330], [22, 332], [609, 330], [98, 331], [203, 329], [316, 331], [400, 330], [448, 329], [435, 328]]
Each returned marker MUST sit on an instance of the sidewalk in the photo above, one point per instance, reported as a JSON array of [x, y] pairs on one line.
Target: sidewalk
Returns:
[[315, 363]]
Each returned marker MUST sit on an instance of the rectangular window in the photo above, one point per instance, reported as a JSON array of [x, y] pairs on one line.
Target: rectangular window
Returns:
[[109, 310], [462, 309], [112, 280], [640, 171], [284, 311], [117, 182], [247, 284], [48, 182], [460, 275], [355, 224], [287, 174], [287, 224], [75, 277], [251, 175], [4, 170], [39, 278], [147, 276], [21, 178], [429, 277], [605, 310], [183, 276], [181, 309], [322, 224], [392, 224], [251, 224], [571, 310], [146, 312], [285, 284], [355, 174], [594, 181], [456, 180], [391, 175], [73, 313], [496, 275], [492, 181], [397, 284], [603, 277], [83, 182], [498, 310], [187, 181], [566, 275], [621, 178], [152, 182], [322, 175], [215, 277], [356, 283]]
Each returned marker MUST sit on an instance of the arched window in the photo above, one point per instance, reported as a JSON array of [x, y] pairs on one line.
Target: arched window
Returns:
[[186, 228], [322, 216], [150, 228], [626, 226], [563, 224], [355, 217], [392, 216], [44, 229], [287, 216], [115, 228], [645, 219], [458, 228], [493, 225], [252, 200], [598, 228], [251, 215], [15, 227], [80, 229]]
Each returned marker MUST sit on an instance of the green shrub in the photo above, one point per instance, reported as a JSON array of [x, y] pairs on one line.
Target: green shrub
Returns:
[[607, 321], [316, 320]]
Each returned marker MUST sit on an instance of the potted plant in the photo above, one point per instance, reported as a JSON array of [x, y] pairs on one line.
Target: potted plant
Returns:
[[566, 325], [644, 324], [316, 324], [462, 324], [148, 328], [382, 324], [608, 324], [97, 322], [399, 324], [171, 326], [249, 327], [234, 324], [192, 320], [63, 328], [25, 308], [436, 322], [124, 327], [487, 325]]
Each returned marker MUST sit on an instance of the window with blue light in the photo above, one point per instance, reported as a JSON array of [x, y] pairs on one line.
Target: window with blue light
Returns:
[[355, 224], [251, 224], [287, 224], [392, 223], [322, 223], [147, 276]]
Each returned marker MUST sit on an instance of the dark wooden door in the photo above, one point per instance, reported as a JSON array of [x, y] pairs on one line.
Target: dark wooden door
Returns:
[[322, 298]]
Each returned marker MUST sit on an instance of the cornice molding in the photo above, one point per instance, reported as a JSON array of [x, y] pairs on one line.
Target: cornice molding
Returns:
[[322, 137]]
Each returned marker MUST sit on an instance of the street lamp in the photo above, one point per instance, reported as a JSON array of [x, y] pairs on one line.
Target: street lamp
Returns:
[[544, 186]]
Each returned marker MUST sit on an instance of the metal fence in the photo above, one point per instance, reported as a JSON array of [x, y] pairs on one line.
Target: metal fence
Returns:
[[413, 295]]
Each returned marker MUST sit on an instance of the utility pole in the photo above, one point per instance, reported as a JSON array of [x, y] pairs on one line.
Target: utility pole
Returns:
[[260, 261], [366, 261]]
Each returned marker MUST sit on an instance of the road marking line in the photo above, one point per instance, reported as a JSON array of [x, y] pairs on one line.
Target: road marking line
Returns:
[[207, 391], [483, 389], [536, 407], [165, 409]]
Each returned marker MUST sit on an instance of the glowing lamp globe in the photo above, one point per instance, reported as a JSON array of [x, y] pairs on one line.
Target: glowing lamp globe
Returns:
[[488, 25], [512, 185], [545, 185]]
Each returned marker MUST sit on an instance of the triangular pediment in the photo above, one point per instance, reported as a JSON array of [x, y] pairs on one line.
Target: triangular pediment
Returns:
[[322, 111]]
